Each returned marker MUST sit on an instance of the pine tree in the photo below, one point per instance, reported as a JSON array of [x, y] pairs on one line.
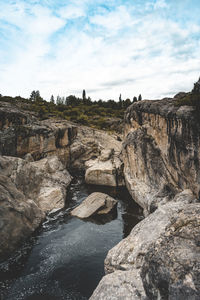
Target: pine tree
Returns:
[[52, 99], [84, 95], [139, 97], [134, 99]]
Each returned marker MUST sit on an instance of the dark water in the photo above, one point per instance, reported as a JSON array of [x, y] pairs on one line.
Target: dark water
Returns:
[[65, 258]]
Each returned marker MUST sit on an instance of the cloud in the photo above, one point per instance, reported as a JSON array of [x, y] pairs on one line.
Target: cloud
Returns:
[[105, 47]]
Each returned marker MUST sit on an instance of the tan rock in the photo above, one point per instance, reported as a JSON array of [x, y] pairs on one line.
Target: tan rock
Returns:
[[95, 204]]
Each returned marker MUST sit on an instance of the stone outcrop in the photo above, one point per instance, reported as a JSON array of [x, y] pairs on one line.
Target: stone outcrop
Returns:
[[161, 151], [19, 217], [106, 170], [29, 190], [94, 204], [159, 259], [34, 156], [45, 181], [21, 133]]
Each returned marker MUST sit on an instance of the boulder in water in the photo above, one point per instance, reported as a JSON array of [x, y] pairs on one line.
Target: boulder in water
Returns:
[[95, 204]]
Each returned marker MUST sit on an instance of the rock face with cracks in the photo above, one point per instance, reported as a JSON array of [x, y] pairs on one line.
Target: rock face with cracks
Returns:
[[29, 190], [161, 151], [160, 257]]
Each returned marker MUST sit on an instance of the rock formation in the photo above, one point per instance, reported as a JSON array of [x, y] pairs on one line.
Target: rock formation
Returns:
[[29, 190], [94, 204], [161, 151], [34, 157], [160, 258]]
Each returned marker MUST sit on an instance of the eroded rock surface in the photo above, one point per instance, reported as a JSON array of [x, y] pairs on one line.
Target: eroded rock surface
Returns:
[[120, 286], [94, 204], [28, 190], [21, 133], [19, 216], [163, 250], [171, 268], [106, 170], [161, 151]]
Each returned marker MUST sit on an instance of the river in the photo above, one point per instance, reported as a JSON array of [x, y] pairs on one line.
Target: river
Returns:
[[64, 259]]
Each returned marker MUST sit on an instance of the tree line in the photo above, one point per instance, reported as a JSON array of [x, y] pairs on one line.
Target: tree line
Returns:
[[72, 100]]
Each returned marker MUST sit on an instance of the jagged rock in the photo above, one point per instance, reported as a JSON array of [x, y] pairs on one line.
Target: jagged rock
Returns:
[[19, 217], [106, 170], [89, 144], [164, 246], [171, 268], [28, 190], [45, 181], [21, 133], [161, 151], [95, 204], [120, 286], [131, 251]]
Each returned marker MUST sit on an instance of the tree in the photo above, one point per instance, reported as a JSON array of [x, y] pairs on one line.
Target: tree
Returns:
[[139, 97], [120, 101], [35, 96], [58, 100], [127, 102], [84, 95], [134, 99], [196, 89], [52, 99]]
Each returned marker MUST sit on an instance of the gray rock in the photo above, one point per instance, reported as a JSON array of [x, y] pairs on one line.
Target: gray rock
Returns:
[[19, 217], [164, 249], [161, 151], [106, 170], [171, 268], [95, 204], [28, 190], [120, 286], [45, 180]]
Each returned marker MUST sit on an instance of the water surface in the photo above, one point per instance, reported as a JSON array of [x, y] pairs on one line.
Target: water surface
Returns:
[[65, 258]]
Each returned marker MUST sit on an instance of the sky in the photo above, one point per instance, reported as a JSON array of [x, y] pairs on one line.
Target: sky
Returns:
[[108, 48]]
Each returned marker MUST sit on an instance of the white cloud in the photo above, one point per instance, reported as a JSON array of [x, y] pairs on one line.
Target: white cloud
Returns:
[[123, 53]]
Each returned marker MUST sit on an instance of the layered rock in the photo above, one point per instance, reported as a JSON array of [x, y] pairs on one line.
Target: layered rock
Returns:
[[94, 204], [21, 133], [161, 151]]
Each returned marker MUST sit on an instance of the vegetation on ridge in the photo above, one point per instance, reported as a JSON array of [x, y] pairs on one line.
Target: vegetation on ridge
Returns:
[[192, 98], [107, 115]]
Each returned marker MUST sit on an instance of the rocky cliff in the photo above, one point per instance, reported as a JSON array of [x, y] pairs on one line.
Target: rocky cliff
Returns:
[[34, 155], [161, 151], [160, 258]]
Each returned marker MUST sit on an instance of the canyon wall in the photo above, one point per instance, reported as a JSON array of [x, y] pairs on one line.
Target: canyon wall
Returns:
[[160, 258], [161, 151]]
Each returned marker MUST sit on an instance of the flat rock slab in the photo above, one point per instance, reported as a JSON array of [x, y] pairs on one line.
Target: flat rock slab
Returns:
[[95, 204]]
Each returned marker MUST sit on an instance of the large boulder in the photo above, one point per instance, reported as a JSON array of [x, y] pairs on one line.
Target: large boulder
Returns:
[[163, 250], [19, 217], [45, 181], [171, 268], [106, 170], [28, 190], [89, 145], [120, 285], [95, 204]]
